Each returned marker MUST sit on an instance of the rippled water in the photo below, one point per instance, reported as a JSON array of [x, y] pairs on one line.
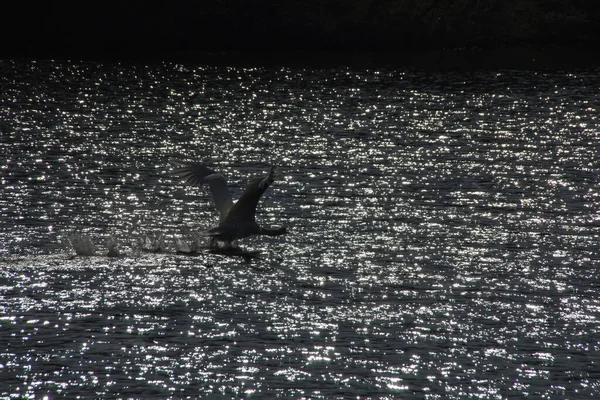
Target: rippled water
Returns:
[[443, 233]]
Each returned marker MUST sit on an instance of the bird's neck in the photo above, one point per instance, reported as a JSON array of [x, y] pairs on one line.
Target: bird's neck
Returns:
[[272, 231]]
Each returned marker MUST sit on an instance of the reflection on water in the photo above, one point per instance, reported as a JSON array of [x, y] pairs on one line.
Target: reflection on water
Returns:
[[442, 233]]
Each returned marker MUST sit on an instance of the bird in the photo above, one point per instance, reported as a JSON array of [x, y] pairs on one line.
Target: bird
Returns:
[[236, 220]]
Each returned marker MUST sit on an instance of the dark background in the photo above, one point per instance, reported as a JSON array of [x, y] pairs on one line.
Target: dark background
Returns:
[[159, 30]]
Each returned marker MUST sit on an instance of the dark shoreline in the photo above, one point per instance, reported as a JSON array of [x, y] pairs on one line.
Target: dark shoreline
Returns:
[[422, 34]]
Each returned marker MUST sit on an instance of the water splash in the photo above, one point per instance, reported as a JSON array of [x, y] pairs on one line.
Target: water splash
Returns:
[[153, 243], [113, 247], [184, 246], [82, 244]]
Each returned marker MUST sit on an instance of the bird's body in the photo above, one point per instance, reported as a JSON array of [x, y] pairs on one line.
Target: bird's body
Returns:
[[236, 220]]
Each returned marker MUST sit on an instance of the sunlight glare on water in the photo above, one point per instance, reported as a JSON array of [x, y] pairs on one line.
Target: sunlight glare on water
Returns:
[[442, 232]]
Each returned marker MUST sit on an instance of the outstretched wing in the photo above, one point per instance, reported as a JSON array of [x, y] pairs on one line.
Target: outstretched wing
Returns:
[[197, 174], [190, 172], [245, 207], [220, 192]]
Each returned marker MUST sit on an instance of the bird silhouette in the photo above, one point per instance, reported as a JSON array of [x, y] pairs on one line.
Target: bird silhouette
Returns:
[[236, 220]]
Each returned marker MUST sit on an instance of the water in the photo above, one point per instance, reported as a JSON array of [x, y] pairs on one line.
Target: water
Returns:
[[443, 233]]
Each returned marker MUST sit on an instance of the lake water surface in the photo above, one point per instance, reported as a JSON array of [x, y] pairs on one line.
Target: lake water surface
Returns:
[[442, 232]]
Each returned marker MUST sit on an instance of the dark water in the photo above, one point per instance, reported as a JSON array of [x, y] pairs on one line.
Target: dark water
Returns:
[[443, 233]]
